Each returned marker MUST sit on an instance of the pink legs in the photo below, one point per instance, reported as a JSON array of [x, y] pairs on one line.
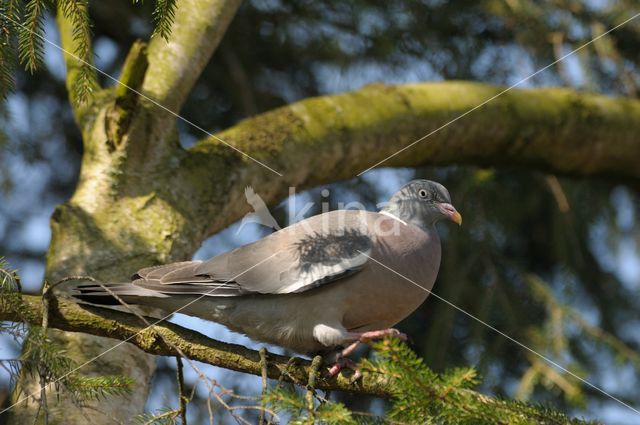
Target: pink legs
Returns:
[[360, 337]]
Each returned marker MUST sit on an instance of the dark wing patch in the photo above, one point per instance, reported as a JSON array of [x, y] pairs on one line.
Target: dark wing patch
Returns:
[[302, 256], [330, 249]]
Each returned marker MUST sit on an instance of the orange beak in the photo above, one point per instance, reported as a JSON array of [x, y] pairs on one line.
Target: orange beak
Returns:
[[451, 213], [456, 218]]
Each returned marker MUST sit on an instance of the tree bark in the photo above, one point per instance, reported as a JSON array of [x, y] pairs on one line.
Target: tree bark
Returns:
[[329, 138], [106, 229]]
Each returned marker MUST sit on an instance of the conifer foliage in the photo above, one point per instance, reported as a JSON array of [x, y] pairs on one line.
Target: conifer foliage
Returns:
[[44, 358], [419, 395], [22, 36]]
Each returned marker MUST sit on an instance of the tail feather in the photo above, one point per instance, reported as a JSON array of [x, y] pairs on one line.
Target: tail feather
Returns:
[[104, 294]]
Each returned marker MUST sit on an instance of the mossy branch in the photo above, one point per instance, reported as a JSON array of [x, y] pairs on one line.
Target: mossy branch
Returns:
[[557, 129], [68, 316], [325, 139], [393, 375], [175, 63], [120, 113], [75, 37]]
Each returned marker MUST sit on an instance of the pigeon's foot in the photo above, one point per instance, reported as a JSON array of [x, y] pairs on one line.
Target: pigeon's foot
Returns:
[[367, 337], [343, 362]]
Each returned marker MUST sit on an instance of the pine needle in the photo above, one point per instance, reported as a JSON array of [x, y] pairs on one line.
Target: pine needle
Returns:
[[163, 17]]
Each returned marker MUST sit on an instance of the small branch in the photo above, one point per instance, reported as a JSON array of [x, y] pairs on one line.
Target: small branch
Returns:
[[311, 384], [43, 398], [120, 113], [263, 374], [42, 370], [182, 397], [133, 72], [558, 193]]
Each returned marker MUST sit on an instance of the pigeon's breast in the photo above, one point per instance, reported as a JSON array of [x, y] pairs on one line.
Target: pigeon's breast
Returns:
[[397, 278]]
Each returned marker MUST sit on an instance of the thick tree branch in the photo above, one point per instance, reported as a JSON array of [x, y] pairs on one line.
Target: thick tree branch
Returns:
[[557, 129], [143, 130], [125, 142], [68, 316], [324, 139], [175, 65]]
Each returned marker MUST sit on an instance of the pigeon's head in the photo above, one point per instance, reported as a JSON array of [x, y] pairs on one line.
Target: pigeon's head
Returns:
[[423, 203]]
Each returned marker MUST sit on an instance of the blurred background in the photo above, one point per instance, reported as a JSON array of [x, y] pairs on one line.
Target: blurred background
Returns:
[[549, 260]]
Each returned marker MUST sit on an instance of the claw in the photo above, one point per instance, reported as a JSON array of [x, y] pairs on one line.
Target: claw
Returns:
[[341, 363], [334, 370], [356, 375]]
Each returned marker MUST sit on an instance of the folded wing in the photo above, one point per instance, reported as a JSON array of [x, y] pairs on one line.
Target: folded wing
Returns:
[[316, 251]]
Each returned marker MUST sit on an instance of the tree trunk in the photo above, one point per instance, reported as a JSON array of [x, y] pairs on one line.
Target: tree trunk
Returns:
[[118, 219]]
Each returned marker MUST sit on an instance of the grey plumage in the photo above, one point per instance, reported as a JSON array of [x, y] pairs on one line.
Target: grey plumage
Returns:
[[311, 286]]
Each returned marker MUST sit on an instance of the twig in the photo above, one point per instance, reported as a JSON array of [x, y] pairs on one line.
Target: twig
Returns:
[[326, 398], [166, 414], [77, 277], [42, 371], [209, 409], [263, 365], [311, 383], [181, 394], [558, 193]]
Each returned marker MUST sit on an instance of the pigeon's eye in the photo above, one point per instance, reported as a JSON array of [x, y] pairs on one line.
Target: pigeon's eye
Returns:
[[422, 193]]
